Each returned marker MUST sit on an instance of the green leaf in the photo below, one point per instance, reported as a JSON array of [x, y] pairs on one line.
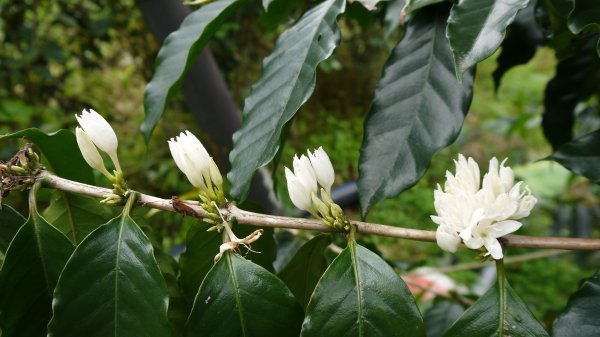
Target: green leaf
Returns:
[[303, 272], [200, 250], [585, 15], [483, 319], [477, 27], [393, 16], [361, 295], [279, 10], [239, 298], [61, 150], [369, 4], [177, 54], [76, 216], [287, 82], [575, 80], [523, 38], [111, 286], [582, 316], [418, 109], [31, 268], [413, 5], [440, 317], [10, 222], [581, 156]]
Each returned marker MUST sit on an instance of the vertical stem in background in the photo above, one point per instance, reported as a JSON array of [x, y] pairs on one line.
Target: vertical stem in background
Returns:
[[500, 279]]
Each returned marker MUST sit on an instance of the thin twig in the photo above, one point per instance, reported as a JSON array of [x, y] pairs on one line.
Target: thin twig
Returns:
[[265, 220]]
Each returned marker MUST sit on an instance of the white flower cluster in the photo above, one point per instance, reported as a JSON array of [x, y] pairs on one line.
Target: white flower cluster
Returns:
[[302, 183], [95, 133], [479, 215], [198, 166]]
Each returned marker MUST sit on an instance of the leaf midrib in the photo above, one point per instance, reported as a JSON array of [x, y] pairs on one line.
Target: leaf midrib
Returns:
[[352, 246], [117, 271], [236, 293]]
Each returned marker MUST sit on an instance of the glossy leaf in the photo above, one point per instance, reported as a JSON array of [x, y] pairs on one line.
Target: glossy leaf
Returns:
[[393, 16], [10, 222], [288, 80], [278, 10], [582, 316], [30, 271], [476, 29], [418, 109], [483, 319], [303, 272], [76, 216], [239, 298], [581, 156], [523, 38], [177, 54], [369, 4], [413, 5], [361, 295], [585, 15], [111, 286], [61, 151], [574, 81], [441, 316], [202, 246], [200, 250]]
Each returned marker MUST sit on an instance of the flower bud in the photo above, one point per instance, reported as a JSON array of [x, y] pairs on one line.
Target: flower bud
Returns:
[[304, 171], [100, 133], [89, 151], [322, 168], [300, 196]]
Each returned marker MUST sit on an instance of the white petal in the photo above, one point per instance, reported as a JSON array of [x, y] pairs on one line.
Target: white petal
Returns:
[[88, 150], [447, 239], [176, 154], [323, 168], [305, 173], [494, 248], [301, 198], [499, 229], [99, 131]]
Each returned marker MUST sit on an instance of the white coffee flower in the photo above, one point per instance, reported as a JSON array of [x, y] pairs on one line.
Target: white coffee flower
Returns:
[[323, 168], [304, 171], [479, 216], [100, 133], [90, 152], [299, 194], [198, 166]]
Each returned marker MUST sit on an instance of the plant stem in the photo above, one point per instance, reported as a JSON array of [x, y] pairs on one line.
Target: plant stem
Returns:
[[265, 220], [502, 294]]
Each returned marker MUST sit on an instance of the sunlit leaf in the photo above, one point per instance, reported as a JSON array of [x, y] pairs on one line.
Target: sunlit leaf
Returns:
[[239, 298], [418, 109], [287, 81]]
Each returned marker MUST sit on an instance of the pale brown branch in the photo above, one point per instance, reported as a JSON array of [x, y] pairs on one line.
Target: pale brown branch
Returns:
[[265, 220]]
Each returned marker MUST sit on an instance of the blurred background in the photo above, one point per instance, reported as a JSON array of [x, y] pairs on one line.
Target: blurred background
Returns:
[[58, 57]]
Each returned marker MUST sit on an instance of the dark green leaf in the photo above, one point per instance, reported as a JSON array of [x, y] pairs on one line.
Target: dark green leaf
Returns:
[[287, 246], [440, 317], [287, 82], [306, 267], [582, 316], [585, 15], [413, 5], [179, 308], [10, 222], [361, 295], [581, 156], [76, 216], [200, 250], [265, 245], [523, 38], [31, 268], [575, 80], [177, 54], [239, 298], [482, 319], [61, 150], [278, 10], [418, 109], [477, 27], [111, 286]]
